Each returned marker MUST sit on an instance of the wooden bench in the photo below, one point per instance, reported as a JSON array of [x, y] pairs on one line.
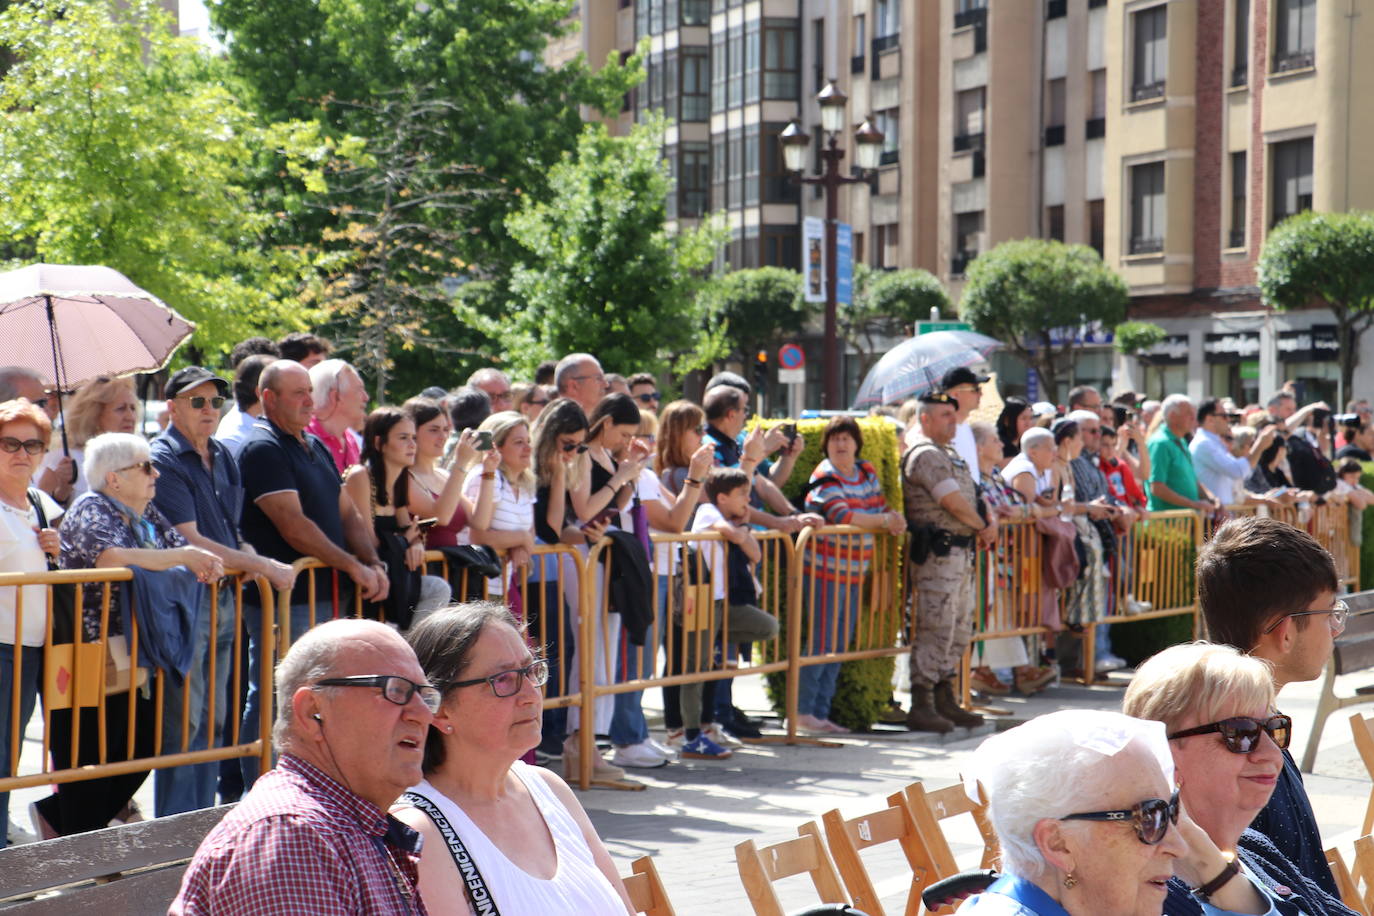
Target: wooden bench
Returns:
[[130, 870], [1354, 651]]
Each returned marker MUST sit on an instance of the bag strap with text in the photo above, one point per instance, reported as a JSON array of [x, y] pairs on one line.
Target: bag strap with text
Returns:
[[483, 904]]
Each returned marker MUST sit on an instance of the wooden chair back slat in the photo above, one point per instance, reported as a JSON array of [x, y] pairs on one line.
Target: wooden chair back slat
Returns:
[[646, 889], [760, 868]]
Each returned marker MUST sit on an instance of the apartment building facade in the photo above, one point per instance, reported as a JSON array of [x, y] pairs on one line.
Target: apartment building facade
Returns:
[[1169, 135]]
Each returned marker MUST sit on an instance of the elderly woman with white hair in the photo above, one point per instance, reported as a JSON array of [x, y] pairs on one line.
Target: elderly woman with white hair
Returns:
[[1088, 820], [1227, 740], [113, 524]]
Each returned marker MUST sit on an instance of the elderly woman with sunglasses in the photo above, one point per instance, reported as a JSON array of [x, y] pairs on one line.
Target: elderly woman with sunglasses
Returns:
[[525, 842], [1111, 844], [111, 525], [1217, 705]]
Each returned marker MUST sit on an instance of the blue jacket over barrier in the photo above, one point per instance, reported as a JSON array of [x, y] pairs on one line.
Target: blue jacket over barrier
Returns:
[[165, 603]]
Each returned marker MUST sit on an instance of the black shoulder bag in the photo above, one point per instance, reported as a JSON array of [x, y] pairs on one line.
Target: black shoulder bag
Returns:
[[482, 902]]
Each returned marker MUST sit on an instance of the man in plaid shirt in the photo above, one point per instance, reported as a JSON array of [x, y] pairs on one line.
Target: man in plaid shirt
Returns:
[[313, 836]]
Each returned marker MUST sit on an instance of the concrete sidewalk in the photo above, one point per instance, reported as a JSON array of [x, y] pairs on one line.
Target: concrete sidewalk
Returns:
[[693, 813]]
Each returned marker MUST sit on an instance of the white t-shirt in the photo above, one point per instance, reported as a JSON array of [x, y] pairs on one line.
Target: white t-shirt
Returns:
[[713, 551], [967, 449], [50, 464], [512, 510], [19, 552], [234, 428]]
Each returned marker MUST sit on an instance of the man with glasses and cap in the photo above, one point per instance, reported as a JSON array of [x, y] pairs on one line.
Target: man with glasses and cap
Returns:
[[313, 835], [966, 388], [942, 512], [1269, 589]]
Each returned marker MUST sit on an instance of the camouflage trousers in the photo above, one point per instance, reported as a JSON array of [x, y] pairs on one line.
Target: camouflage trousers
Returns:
[[944, 617]]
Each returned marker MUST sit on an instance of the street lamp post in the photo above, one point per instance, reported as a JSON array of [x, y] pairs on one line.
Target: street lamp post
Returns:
[[867, 150]]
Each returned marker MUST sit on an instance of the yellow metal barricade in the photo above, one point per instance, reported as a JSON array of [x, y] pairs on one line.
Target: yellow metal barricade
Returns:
[[87, 676]]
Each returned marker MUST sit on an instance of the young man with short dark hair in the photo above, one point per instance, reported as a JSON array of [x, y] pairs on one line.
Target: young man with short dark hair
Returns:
[[1269, 589]]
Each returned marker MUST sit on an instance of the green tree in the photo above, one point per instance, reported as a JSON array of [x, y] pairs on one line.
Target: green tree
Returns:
[[1028, 292], [510, 114], [601, 273], [1134, 337], [1324, 259], [887, 304], [123, 145], [756, 309]]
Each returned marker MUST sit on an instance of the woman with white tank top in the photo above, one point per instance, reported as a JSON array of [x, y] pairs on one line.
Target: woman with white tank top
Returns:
[[524, 841]]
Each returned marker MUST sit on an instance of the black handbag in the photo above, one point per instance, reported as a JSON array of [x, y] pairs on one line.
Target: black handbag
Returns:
[[399, 606]]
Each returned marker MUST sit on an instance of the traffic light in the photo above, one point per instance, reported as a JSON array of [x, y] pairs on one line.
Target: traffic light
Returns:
[[761, 371]]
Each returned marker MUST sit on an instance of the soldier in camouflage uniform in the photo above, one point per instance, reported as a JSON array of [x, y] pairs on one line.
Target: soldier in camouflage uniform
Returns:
[[941, 498]]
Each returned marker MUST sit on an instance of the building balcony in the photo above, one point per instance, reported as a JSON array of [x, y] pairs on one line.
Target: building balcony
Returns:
[[1095, 128], [1144, 92], [1295, 60], [886, 43], [965, 142], [1054, 135], [1146, 246], [967, 18]]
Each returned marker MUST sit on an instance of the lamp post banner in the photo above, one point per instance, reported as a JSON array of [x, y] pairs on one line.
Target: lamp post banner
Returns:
[[844, 263], [813, 248]]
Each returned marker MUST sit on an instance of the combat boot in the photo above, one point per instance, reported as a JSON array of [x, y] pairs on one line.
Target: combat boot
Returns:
[[923, 717], [947, 706]]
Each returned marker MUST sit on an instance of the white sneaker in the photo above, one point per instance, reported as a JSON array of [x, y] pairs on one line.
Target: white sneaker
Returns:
[[675, 739], [1137, 607], [663, 750], [640, 756], [1109, 663], [721, 736]]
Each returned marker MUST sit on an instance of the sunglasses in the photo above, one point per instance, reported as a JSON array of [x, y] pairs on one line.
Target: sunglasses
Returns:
[[198, 402], [578, 447], [395, 689], [653, 397], [32, 446], [508, 683], [1339, 613], [1151, 818], [1241, 734], [536, 403], [144, 466]]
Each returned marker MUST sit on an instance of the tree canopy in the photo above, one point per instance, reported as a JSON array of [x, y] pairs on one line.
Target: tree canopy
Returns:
[[886, 304], [756, 309], [1324, 259], [1035, 296], [125, 146]]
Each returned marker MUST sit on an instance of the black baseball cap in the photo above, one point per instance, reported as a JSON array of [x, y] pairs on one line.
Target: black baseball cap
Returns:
[[961, 376], [938, 397], [192, 376]]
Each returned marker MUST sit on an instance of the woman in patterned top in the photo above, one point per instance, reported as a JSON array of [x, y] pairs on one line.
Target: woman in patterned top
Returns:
[[846, 491], [111, 525]]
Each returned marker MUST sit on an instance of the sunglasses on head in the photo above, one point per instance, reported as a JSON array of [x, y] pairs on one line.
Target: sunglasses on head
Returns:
[[1150, 818], [32, 446], [198, 401], [1241, 734]]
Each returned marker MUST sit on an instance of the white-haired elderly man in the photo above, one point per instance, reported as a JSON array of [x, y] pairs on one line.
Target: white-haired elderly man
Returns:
[[340, 409], [497, 386], [313, 835], [1173, 480], [578, 376]]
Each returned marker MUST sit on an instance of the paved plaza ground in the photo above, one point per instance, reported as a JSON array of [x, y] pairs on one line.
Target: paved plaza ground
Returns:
[[693, 813]]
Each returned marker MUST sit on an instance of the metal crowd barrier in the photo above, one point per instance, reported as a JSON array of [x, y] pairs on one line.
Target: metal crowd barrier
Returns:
[[82, 681]]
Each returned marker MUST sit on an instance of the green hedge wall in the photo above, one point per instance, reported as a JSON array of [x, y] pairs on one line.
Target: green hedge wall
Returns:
[[864, 687]]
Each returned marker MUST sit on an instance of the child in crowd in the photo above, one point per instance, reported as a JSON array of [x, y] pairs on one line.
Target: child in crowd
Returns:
[[1348, 476], [732, 583]]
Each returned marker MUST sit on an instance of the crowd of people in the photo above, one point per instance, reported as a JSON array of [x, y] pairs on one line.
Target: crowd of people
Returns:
[[1085, 473]]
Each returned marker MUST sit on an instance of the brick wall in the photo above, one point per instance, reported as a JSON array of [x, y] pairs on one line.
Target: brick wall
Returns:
[[1209, 153]]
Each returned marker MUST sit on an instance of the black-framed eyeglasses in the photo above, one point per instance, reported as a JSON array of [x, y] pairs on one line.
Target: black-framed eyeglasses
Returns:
[[145, 466], [1339, 612], [1241, 734], [534, 403], [32, 446], [649, 397], [578, 447], [1150, 818], [395, 689], [508, 683], [198, 401]]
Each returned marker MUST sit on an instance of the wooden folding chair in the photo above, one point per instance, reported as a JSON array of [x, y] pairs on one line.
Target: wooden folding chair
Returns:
[[847, 837], [646, 890], [1363, 730], [1345, 882], [1362, 873], [759, 868], [928, 809]]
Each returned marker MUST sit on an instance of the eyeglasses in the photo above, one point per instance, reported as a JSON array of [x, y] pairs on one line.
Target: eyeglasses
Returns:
[[32, 446], [1151, 818], [650, 397], [198, 402], [1339, 612], [579, 447], [144, 466], [533, 402], [508, 683], [1241, 733], [600, 375], [395, 689]]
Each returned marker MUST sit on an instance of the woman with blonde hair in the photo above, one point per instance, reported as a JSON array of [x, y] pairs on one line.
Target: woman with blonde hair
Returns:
[[106, 405], [510, 527], [1227, 739]]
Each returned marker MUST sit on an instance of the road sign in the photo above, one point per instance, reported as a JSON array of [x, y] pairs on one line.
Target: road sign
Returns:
[[792, 376], [925, 327], [791, 356]]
